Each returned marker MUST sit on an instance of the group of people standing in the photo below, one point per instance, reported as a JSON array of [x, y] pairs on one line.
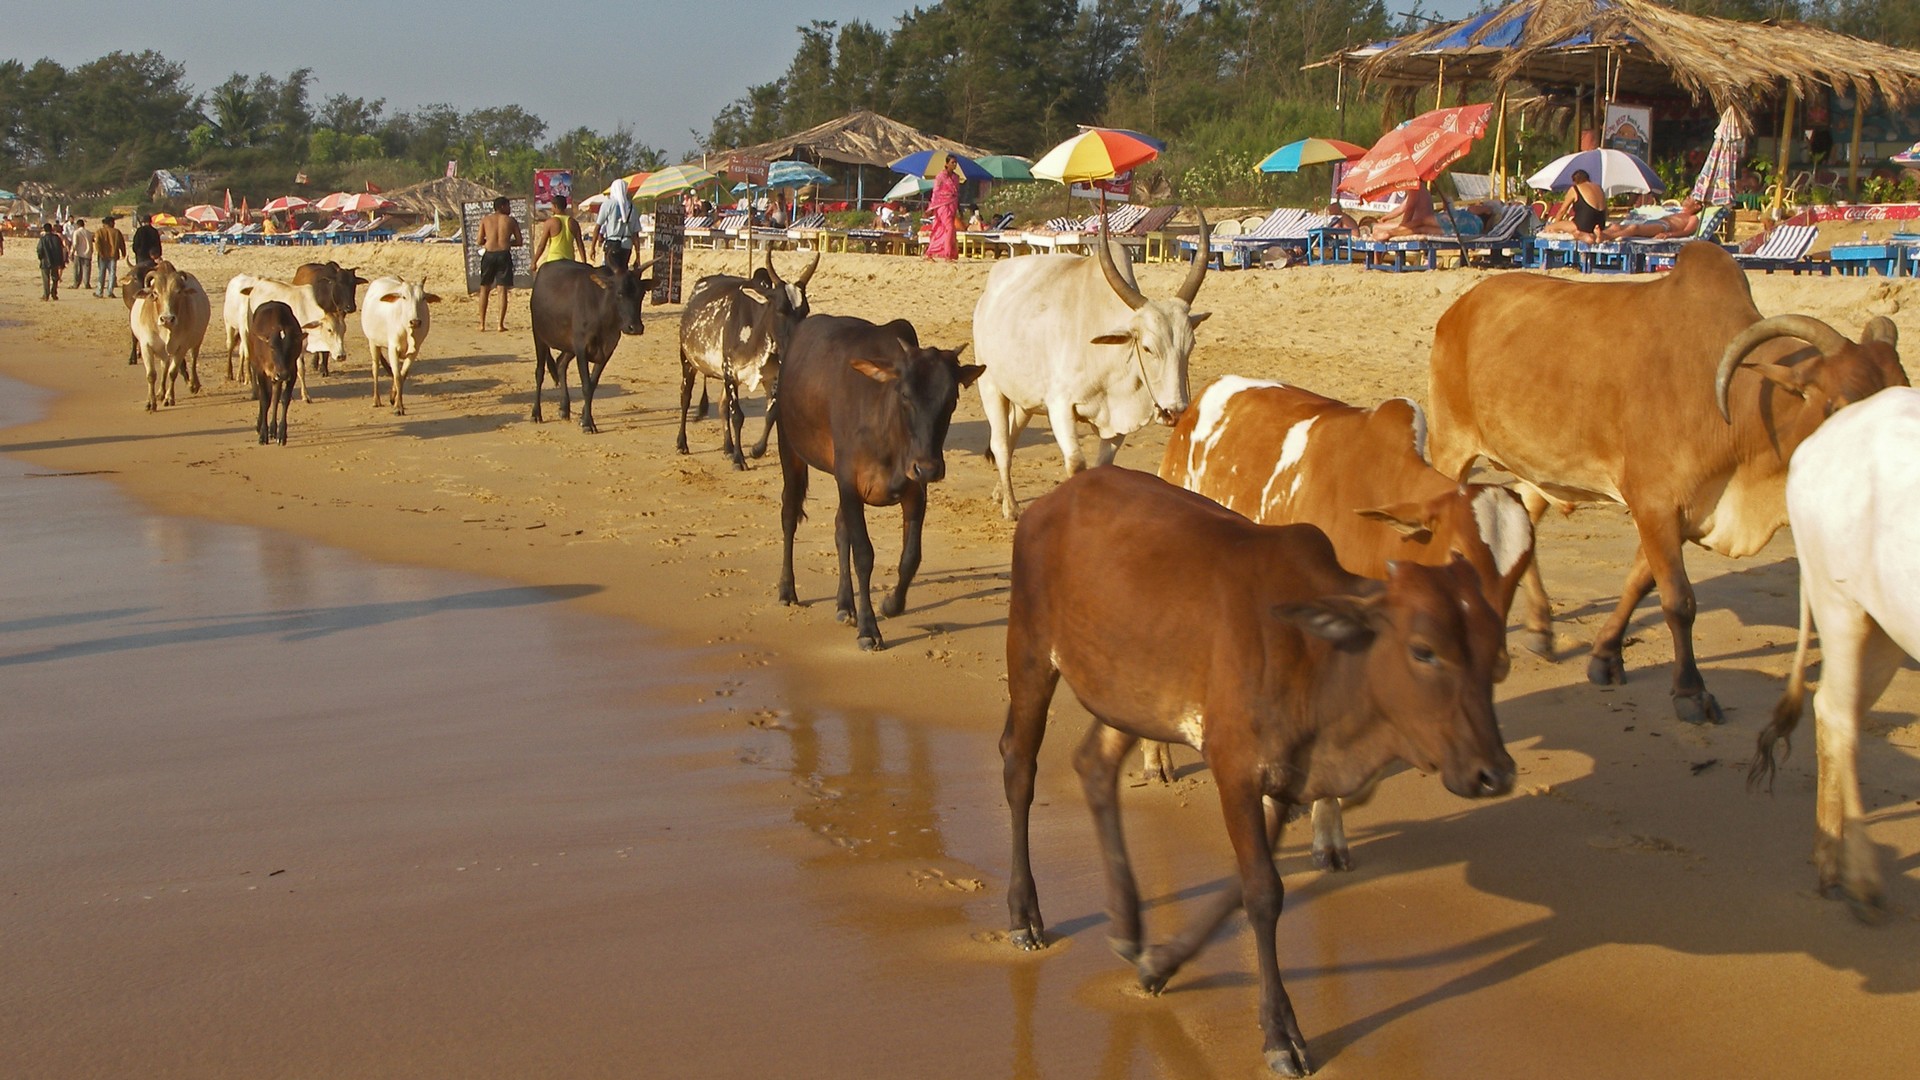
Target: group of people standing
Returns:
[[94, 255], [615, 229]]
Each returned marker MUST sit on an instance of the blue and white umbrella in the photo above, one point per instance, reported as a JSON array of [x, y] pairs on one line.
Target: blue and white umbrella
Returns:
[[1616, 171], [794, 174]]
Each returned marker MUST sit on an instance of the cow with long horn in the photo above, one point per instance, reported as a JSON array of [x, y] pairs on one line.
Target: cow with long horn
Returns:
[[736, 330], [1075, 338], [1550, 380]]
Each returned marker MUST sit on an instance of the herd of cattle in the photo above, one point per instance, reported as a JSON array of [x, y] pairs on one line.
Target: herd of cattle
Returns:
[[1345, 589]]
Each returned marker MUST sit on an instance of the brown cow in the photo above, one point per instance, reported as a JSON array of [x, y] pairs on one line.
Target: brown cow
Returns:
[[1171, 617], [1592, 392], [275, 341], [333, 287], [1281, 455]]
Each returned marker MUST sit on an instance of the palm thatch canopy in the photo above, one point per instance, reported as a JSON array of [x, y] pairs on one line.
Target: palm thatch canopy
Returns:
[[1640, 47], [858, 138], [443, 194]]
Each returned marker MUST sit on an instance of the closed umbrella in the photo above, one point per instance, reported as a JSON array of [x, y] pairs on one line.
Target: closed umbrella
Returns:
[[1616, 171], [1715, 184], [929, 163], [671, 179]]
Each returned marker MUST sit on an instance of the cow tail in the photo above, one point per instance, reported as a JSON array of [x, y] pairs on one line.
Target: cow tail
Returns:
[[1786, 714]]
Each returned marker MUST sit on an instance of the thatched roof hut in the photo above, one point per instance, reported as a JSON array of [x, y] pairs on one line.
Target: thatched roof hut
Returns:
[[1643, 48], [858, 138], [441, 195]]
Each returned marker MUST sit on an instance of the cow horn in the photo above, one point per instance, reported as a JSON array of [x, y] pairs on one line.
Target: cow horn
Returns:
[[643, 267], [1134, 297], [1190, 288], [1805, 327], [1881, 329], [771, 272], [807, 274]]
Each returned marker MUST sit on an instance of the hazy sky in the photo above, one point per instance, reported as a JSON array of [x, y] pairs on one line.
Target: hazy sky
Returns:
[[660, 67]]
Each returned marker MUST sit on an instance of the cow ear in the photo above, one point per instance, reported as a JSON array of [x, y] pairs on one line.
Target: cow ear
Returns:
[[391, 298], [314, 325], [248, 291], [431, 298], [1793, 380], [1197, 318], [878, 372], [755, 295], [1411, 520], [969, 372], [1122, 336], [1344, 620]]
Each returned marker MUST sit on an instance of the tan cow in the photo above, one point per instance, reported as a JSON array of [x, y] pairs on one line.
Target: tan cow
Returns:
[[169, 318], [1605, 392], [1281, 455]]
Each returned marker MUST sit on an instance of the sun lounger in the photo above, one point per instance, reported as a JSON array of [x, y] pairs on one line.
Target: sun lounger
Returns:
[[1506, 236], [1785, 248], [420, 235], [1657, 254]]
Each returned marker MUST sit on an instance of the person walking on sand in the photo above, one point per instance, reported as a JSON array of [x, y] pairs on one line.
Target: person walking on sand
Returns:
[[944, 206], [146, 252], [53, 259], [616, 223], [109, 247], [499, 235], [80, 253], [558, 237]]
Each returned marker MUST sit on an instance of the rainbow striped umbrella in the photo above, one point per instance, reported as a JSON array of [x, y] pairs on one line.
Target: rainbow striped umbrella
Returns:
[[1097, 154], [671, 179], [1293, 156]]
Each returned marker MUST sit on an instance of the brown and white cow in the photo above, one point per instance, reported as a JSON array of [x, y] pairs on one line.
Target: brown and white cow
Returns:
[[1282, 455], [1171, 617], [1605, 392], [169, 317]]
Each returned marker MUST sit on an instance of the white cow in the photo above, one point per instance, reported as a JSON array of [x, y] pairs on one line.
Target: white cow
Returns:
[[169, 319], [395, 320], [1851, 492], [246, 292], [1074, 338]]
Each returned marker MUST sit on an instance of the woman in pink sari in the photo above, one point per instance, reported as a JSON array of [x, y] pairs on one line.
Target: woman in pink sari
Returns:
[[944, 205]]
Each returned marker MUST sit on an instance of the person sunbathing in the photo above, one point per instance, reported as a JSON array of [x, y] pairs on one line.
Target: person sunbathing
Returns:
[[1680, 224], [1583, 213], [1414, 218]]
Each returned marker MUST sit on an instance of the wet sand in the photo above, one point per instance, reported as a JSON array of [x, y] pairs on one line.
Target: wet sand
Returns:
[[782, 856]]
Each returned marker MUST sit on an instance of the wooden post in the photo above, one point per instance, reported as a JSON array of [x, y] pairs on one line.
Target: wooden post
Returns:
[[1786, 149], [1440, 83], [1853, 151], [1500, 147]]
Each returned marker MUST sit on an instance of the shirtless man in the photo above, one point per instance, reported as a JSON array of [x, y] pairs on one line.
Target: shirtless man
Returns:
[[1681, 223], [1414, 218], [499, 235]]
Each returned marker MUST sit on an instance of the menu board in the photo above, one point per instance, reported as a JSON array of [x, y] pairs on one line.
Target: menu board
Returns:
[[669, 252], [470, 215]]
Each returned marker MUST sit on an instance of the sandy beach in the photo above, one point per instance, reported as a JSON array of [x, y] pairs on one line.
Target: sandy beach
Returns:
[[410, 660]]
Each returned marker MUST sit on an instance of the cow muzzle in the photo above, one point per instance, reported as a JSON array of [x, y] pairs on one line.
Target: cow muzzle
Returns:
[[1167, 417], [927, 472], [166, 321], [1483, 778]]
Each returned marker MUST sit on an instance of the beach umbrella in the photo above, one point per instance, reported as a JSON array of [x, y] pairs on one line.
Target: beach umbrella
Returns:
[[1159, 145], [1295, 155], [591, 203], [928, 163], [284, 204], [1616, 171], [361, 203], [1417, 151], [794, 174], [1007, 169], [332, 202], [1715, 184], [204, 214], [671, 179], [167, 221], [1909, 157], [634, 180], [909, 187], [1094, 154]]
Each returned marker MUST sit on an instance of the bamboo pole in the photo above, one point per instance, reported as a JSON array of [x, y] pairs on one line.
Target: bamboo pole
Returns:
[[1853, 150], [1500, 147], [1786, 149], [1440, 83]]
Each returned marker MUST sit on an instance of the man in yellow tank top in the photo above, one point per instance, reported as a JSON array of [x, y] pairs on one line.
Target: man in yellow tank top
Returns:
[[559, 236]]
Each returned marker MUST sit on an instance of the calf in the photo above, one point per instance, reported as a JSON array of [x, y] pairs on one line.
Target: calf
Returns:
[[329, 332], [1281, 455], [333, 286], [869, 405], [1851, 490], [275, 340], [395, 321], [735, 329], [169, 317], [1171, 617], [580, 312]]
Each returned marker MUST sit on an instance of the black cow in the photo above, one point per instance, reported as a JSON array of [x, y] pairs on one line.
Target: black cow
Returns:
[[333, 286], [869, 405], [580, 311], [736, 329], [276, 340]]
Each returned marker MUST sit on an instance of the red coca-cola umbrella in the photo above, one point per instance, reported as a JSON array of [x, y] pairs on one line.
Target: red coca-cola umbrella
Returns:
[[1416, 151]]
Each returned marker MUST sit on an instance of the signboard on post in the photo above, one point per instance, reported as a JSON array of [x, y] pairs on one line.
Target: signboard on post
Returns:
[[1627, 128], [470, 215], [669, 251], [1118, 189], [550, 182], [747, 170]]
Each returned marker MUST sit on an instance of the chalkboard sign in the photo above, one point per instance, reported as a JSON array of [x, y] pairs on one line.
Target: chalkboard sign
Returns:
[[669, 252], [470, 215]]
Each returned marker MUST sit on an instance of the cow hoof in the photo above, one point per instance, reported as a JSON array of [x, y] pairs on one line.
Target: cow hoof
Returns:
[[871, 643], [1606, 670], [891, 606], [1150, 977], [739, 465], [1698, 709], [1867, 904], [587, 428], [681, 446], [1539, 643], [843, 616], [1333, 859], [1028, 938], [1125, 950], [758, 452], [1289, 1061]]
